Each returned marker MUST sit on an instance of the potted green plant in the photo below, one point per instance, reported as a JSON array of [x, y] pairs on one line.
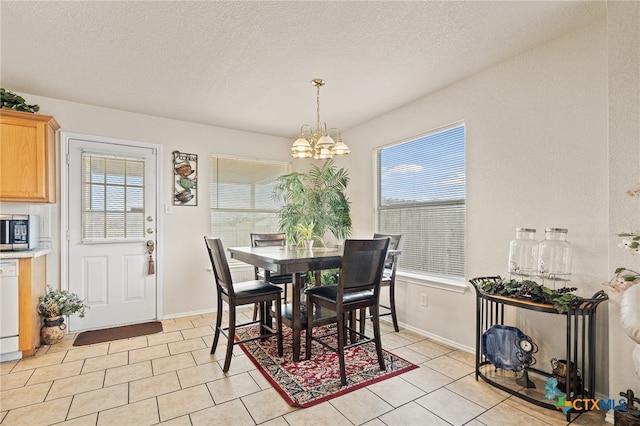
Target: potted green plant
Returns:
[[316, 199], [304, 234], [53, 307]]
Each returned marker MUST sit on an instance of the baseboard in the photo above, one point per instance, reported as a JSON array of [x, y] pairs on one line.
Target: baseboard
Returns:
[[189, 314], [434, 337]]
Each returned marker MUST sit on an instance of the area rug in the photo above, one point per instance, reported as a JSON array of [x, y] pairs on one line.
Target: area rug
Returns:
[[306, 383], [117, 333]]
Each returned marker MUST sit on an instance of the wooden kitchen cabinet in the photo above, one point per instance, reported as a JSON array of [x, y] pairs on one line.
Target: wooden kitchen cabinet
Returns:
[[27, 157], [31, 287]]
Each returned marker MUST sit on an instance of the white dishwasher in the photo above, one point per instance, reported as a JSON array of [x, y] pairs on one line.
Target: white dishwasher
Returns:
[[9, 310]]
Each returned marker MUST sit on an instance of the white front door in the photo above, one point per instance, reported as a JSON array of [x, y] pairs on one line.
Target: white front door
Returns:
[[111, 215]]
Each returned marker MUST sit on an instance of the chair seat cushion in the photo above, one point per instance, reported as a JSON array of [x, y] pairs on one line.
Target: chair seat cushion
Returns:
[[330, 293], [253, 288], [281, 279]]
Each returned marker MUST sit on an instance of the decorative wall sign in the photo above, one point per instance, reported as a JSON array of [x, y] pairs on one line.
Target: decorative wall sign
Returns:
[[185, 173]]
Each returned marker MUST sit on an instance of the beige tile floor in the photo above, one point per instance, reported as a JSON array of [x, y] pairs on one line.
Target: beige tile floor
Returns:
[[171, 379]]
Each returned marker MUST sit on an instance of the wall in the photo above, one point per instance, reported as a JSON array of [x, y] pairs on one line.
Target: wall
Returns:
[[536, 129], [624, 165]]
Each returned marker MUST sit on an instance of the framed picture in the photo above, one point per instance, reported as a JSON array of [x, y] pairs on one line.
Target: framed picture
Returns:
[[185, 177]]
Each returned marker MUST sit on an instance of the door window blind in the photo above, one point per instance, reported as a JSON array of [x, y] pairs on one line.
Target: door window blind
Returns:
[[112, 198]]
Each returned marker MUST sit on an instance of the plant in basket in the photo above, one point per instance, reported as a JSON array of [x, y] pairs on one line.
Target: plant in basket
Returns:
[[53, 306]]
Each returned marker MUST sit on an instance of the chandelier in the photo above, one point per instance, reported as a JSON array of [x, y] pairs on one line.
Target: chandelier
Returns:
[[318, 143]]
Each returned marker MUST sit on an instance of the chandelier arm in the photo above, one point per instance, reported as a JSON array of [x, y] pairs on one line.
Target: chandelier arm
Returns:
[[304, 129], [336, 130]]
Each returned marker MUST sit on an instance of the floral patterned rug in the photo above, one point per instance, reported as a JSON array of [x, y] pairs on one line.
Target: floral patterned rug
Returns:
[[306, 383]]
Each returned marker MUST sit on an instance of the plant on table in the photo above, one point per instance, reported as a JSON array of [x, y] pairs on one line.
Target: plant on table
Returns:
[[304, 233]]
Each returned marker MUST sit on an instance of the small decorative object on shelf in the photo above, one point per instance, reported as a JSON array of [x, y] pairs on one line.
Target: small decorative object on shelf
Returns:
[[526, 349], [500, 348], [551, 389], [53, 306], [559, 369]]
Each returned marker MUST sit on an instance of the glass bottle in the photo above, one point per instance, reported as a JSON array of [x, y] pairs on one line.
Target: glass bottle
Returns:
[[523, 253], [554, 257]]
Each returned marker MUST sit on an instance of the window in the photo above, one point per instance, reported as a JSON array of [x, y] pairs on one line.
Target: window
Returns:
[[241, 198], [421, 194], [112, 198]]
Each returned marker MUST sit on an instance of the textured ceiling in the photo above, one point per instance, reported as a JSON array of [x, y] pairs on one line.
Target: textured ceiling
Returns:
[[247, 64]]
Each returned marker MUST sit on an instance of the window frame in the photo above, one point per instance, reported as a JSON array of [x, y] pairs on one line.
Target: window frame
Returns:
[[451, 283], [287, 168]]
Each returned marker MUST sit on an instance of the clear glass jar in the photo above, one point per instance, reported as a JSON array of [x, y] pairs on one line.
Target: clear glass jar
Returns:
[[523, 253], [554, 257]]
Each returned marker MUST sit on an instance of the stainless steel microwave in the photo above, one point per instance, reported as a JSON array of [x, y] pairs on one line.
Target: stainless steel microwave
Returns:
[[19, 232]]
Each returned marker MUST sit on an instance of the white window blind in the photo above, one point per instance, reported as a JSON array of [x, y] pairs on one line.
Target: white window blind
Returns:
[[112, 198], [421, 194], [241, 198]]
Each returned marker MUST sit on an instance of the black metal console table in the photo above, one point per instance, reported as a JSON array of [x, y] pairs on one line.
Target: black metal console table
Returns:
[[580, 342]]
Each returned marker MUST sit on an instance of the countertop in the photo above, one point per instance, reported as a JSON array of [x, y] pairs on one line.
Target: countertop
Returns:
[[25, 254]]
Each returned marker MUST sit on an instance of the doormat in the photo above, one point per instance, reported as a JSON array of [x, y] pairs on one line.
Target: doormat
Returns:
[[306, 383], [117, 333]]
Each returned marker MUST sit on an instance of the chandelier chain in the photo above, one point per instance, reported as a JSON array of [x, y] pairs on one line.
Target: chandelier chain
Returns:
[[318, 105]]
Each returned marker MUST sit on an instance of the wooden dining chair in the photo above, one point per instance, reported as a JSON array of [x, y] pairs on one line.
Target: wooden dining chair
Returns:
[[263, 240], [388, 280], [358, 288], [237, 294]]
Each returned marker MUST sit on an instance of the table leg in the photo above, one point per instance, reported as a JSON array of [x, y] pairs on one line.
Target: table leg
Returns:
[[295, 312]]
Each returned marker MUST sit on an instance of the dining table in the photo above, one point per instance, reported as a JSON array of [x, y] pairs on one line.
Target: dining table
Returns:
[[294, 261], [297, 262]]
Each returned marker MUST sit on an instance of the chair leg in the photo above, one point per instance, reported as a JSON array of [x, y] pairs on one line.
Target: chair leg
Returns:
[[352, 325], [363, 319], [255, 311], [231, 339], [216, 334], [279, 326], [341, 342], [263, 319], [392, 305], [307, 351], [375, 313]]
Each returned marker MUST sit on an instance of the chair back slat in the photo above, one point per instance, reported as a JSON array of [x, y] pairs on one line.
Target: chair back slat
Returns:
[[219, 263], [393, 245], [263, 240], [395, 239], [362, 264]]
